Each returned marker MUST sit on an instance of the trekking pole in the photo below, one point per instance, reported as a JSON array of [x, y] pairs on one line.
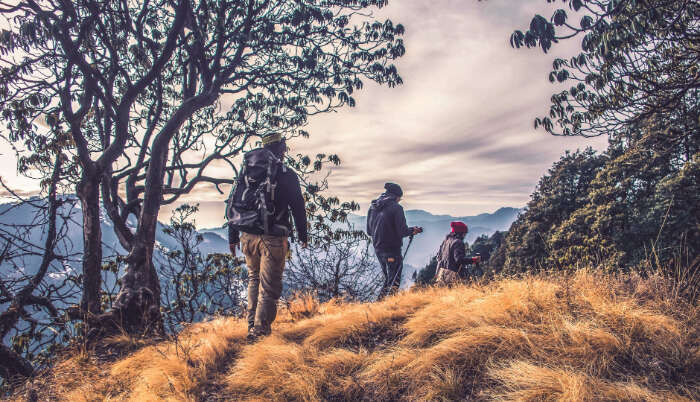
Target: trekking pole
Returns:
[[396, 274], [410, 240]]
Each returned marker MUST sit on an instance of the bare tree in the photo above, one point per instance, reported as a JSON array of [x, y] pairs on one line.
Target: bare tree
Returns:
[[338, 261], [36, 286], [195, 286], [156, 93], [343, 268]]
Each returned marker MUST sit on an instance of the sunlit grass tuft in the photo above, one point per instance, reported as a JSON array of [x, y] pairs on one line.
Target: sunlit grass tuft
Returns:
[[571, 337]]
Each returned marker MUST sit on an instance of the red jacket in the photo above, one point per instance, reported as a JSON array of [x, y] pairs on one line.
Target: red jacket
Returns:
[[452, 254]]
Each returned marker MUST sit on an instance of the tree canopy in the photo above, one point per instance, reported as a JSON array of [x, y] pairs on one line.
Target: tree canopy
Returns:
[[636, 80], [638, 58], [159, 96]]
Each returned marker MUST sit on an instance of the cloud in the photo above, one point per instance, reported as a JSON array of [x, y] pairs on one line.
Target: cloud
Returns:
[[7, 195], [458, 135]]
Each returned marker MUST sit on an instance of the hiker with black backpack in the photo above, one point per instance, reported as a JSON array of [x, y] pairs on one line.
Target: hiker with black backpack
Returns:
[[258, 208], [451, 258], [386, 225]]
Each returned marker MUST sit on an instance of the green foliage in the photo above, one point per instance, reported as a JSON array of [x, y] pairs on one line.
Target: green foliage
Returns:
[[426, 275], [636, 81], [487, 247], [641, 204], [637, 58], [559, 193], [636, 206]]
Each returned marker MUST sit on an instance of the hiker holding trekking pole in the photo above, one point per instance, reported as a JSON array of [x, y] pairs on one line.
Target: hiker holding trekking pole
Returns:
[[259, 207], [451, 258], [386, 225]]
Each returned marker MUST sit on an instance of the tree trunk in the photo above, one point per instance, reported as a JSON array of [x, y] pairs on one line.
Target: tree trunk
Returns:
[[88, 193], [138, 303], [12, 365], [137, 307]]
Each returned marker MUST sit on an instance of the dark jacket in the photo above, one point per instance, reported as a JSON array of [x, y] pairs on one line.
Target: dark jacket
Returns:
[[287, 196], [452, 254], [386, 224]]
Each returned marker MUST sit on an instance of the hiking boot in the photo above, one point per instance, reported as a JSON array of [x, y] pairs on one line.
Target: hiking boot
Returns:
[[252, 336]]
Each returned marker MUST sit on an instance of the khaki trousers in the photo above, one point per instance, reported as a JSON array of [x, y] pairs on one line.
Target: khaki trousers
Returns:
[[446, 277], [265, 257]]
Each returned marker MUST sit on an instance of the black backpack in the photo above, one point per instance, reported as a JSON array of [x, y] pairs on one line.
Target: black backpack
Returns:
[[251, 205]]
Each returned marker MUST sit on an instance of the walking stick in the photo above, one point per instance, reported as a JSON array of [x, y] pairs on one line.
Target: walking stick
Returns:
[[410, 240], [396, 274]]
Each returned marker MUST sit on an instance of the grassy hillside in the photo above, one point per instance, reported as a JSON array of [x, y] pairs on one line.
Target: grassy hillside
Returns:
[[582, 337]]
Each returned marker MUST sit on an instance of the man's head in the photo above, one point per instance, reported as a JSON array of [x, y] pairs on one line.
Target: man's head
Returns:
[[276, 144], [394, 189], [459, 228]]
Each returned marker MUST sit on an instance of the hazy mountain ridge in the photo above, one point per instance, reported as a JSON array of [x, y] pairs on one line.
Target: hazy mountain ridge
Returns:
[[24, 214], [215, 240], [435, 228]]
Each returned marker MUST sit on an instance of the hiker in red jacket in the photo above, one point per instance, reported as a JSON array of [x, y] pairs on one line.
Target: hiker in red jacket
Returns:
[[452, 255]]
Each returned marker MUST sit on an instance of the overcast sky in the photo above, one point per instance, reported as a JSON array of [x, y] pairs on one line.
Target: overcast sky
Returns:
[[458, 136]]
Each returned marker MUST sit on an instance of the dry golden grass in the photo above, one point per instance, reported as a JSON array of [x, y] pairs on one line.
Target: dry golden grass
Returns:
[[584, 337], [169, 371], [581, 337]]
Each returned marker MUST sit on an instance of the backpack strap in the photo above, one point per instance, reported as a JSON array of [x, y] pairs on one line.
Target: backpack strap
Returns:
[[247, 186], [265, 214]]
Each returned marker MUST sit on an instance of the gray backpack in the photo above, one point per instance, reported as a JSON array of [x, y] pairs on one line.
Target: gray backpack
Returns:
[[251, 204]]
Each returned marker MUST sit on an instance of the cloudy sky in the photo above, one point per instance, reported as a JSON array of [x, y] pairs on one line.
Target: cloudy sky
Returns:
[[458, 135]]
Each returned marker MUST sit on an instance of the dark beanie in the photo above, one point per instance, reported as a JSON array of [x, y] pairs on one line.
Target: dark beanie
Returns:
[[394, 189]]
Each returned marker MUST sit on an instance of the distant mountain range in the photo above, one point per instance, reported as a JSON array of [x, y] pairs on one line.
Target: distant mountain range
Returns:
[[24, 214], [424, 245]]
